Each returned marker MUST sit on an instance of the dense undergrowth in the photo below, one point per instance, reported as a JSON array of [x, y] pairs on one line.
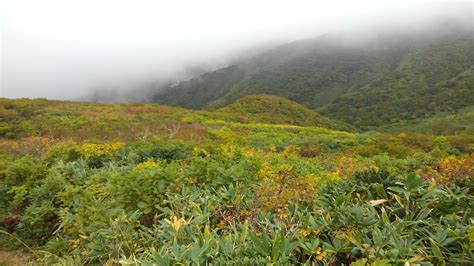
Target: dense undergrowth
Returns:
[[147, 184]]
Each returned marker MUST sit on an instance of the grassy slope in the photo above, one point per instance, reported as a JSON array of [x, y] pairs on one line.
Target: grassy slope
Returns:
[[274, 110], [107, 121], [260, 121]]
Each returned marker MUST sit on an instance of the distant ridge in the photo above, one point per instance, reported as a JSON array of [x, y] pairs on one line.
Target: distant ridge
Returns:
[[367, 83]]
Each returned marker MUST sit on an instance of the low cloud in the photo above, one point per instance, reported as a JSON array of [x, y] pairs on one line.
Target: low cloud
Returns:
[[112, 50]]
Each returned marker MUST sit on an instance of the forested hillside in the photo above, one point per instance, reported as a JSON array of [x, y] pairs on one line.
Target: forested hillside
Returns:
[[366, 82]]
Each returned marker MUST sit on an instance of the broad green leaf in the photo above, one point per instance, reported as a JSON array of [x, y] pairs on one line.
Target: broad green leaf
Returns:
[[142, 205], [413, 181]]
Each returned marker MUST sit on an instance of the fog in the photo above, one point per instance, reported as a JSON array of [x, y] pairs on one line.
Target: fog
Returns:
[[60, 49]]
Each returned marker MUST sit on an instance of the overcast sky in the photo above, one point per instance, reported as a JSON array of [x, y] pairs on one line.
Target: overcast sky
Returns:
[[62, 49]]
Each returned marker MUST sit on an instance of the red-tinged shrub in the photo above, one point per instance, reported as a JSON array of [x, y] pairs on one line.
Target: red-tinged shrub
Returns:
[[452, 170], [9, 222]]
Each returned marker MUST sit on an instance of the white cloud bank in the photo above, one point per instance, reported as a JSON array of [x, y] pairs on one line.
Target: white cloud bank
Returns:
[[62, 49]]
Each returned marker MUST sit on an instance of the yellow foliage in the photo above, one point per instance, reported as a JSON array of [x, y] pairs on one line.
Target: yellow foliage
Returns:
[[221, 224], [319, 253], [326, 176], [452, 168], [95, 150], [228, 150], [249, 152], [282, 186], [225, 134], [346, 166], [176, 223], [265, 171], [292, 149], [146, 165], [304, 232], [200, 152]]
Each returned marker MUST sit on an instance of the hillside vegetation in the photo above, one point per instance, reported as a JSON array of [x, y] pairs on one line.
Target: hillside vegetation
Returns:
[[274, 110], [367, 83], [261, 181]]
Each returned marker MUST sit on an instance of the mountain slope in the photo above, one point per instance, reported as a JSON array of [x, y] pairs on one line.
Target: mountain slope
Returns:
[[367, 83], [375, 106], [460, 123]]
